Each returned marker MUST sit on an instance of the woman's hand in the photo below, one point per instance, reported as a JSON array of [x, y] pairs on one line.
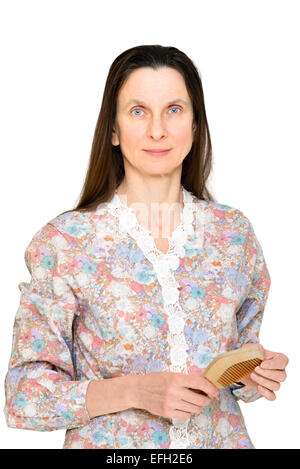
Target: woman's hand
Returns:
[[170, 395], [267, 377]]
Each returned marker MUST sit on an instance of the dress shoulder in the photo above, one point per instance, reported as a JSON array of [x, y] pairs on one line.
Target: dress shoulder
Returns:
[[226, 214], [73, 223]]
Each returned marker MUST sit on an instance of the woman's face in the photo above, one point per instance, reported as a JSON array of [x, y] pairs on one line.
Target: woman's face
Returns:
[[154, 111]]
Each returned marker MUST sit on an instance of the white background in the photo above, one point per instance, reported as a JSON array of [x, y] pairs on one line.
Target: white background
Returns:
[[55, 57]]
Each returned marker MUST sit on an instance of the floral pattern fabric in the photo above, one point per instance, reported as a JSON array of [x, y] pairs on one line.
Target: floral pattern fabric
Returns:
[[103, 301]]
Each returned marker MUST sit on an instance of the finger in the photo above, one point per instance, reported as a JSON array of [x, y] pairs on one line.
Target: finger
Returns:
[[274, 360], [275, 375], [202, 384], [267, 383], [195, 398], [270, 395], [188, 407], [209, 388]]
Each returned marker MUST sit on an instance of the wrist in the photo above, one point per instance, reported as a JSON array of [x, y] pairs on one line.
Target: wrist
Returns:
[[131, 384]]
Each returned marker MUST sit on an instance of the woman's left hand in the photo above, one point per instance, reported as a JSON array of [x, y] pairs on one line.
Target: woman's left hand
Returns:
[[266, 378]]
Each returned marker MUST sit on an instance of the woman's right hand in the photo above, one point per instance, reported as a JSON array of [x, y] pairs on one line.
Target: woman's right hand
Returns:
[[170, 395]]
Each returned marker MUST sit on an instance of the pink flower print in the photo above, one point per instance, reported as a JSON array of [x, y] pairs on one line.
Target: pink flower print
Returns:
[[26, 337], [73, 265], [144, 428], [97, 343], [252, 250], [54, 377], [222, 239], [224, 339], [127, 316], [51, 234], [233, 420], [142, 313], [135, 286], [69, 238], [221, 300], [165, 326], [219, 213], [35, 255], [182, 287]]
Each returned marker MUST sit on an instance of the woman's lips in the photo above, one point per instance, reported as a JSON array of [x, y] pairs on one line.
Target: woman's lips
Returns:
[[157, 153]]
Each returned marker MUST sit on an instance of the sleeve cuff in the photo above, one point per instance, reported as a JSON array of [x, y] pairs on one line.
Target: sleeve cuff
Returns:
[[64, 408], [244, 393]]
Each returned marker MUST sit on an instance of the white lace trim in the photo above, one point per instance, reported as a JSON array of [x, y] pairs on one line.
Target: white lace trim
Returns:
[[164, 265]]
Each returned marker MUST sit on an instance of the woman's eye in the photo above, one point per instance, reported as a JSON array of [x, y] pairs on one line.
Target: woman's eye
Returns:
[[175, 108], [170, 109], [136, 110]]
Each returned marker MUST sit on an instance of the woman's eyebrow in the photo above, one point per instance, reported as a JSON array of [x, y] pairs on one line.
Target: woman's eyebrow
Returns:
[[142, 103]]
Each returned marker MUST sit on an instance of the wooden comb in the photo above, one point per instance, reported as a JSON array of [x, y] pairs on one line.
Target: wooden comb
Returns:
[[230, 367]]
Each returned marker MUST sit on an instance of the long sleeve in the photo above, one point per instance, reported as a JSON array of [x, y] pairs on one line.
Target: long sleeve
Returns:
[[40, 389], [250, 313]]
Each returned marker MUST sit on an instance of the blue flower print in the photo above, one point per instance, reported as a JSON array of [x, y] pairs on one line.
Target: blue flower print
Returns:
[[68, 416], [38, 345], [191, 252], [100, 437], [48, 262], [75, 230], [160, 437], [202, 357], [143, 274], [198, 292], [123, 441], [21, 399], [157, 320], [239, 239], [89, 267]]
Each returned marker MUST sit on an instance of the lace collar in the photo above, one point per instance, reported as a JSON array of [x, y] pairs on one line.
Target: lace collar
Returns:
[[128, 223]]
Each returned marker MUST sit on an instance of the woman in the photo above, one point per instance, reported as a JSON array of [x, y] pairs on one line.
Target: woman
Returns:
[[139, 287]]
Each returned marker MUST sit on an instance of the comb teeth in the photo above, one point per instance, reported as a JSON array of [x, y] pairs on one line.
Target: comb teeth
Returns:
[[235, 372]]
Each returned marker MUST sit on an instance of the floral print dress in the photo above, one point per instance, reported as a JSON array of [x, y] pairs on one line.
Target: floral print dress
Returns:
[[103, 301]]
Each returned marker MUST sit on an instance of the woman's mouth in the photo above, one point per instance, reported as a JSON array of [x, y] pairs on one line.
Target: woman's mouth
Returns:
[[157, 152]]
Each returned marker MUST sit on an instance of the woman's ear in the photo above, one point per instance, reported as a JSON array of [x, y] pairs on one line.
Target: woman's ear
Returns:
[[115, 138], [194, 128]]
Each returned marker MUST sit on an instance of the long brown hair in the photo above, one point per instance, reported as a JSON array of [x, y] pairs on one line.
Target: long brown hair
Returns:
[[106, 168]]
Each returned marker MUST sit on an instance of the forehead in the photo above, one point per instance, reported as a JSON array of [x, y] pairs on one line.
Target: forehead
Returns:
[[146, 85]]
